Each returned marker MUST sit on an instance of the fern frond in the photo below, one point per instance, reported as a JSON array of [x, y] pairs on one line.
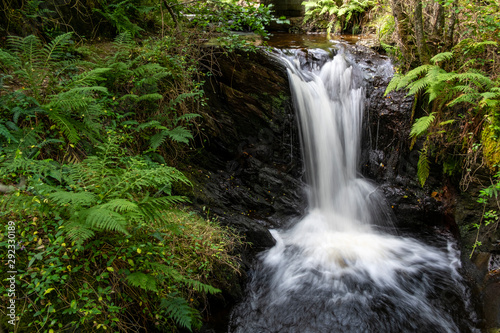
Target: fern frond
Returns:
[[150, 97], [422, 124], [187, 117], [79, 199], [417, 86], [142, 280], [154, 208], [393, 84], [29, 48], [76, 98], [4, 131], [8, 61], [149, 69], [478, 79], [158, 139], [466, 89], [446, 122], [65, 125], [201, 287], [178, 309], [88, 78], [441, 57], [104, 219], [437, 74], [413, 75], [178, 134], [436, 90], [423, 168], [168, 271], [120, 206], [54, 49], [181, 97], [78, 232], [472, 98], [150, 124], [124, 41]]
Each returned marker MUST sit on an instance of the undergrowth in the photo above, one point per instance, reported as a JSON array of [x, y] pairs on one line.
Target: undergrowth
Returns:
[[88, 147]]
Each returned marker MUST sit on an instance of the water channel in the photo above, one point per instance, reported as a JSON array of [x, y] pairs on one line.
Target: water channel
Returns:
[[343, 267]]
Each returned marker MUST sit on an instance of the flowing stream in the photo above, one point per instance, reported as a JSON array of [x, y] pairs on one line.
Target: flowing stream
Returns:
[[340, 269]]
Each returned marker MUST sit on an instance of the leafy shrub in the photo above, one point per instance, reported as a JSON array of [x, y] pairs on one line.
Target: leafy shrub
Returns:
[[449, 93], [100, 246], [83, 148], [337, 15]]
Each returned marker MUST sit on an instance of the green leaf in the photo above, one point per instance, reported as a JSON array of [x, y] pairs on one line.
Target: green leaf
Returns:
[[422, 124], [441, 57], [73, 198], [423, 168], [178, 309], [142, 280]]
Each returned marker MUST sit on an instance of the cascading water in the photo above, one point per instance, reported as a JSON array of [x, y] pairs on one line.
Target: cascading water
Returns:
[[336, 270]]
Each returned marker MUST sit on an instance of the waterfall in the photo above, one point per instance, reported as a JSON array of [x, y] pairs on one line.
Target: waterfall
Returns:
[[337, 270]]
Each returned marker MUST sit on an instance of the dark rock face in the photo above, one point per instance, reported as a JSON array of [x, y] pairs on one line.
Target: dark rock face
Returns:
[[250, 168]]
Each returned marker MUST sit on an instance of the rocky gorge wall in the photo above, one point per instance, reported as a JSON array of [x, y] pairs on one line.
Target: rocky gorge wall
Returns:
[[249, 172]]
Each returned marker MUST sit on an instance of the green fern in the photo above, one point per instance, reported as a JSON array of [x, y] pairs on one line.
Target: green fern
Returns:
[[178, 309], [444, 56], [79, 199], [417, 86], [201, 287], [423, 166], [421, 125], [142, 280], [178, 134], [104, 193], [118, 15], [4, 131], [35, 61], [121, 206]]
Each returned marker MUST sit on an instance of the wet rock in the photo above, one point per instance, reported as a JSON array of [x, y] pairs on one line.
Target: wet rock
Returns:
[[251, 165]]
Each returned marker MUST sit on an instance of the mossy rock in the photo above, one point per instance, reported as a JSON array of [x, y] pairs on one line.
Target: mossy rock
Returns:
[[491, 147]]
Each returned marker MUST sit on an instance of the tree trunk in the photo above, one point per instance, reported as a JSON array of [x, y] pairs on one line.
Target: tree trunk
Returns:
[[438, 20], [171, 12], [419, 34], [450, 26], [401, 25]]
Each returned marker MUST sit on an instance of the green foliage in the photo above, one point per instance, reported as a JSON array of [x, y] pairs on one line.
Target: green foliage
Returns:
[[96, 205], [33, 63], [421, 125], [124, 15], [179, 310], [83, 145], [489, 219], [423, 166], [117, 282], [50, 94], [339, 16], [225, 18], [142, 280], [446, 91], [108, 192]]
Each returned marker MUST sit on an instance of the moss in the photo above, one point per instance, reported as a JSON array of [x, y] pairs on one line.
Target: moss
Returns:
[[491, 148]]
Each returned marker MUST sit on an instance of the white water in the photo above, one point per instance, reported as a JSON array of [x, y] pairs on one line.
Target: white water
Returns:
[[334, 271]]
